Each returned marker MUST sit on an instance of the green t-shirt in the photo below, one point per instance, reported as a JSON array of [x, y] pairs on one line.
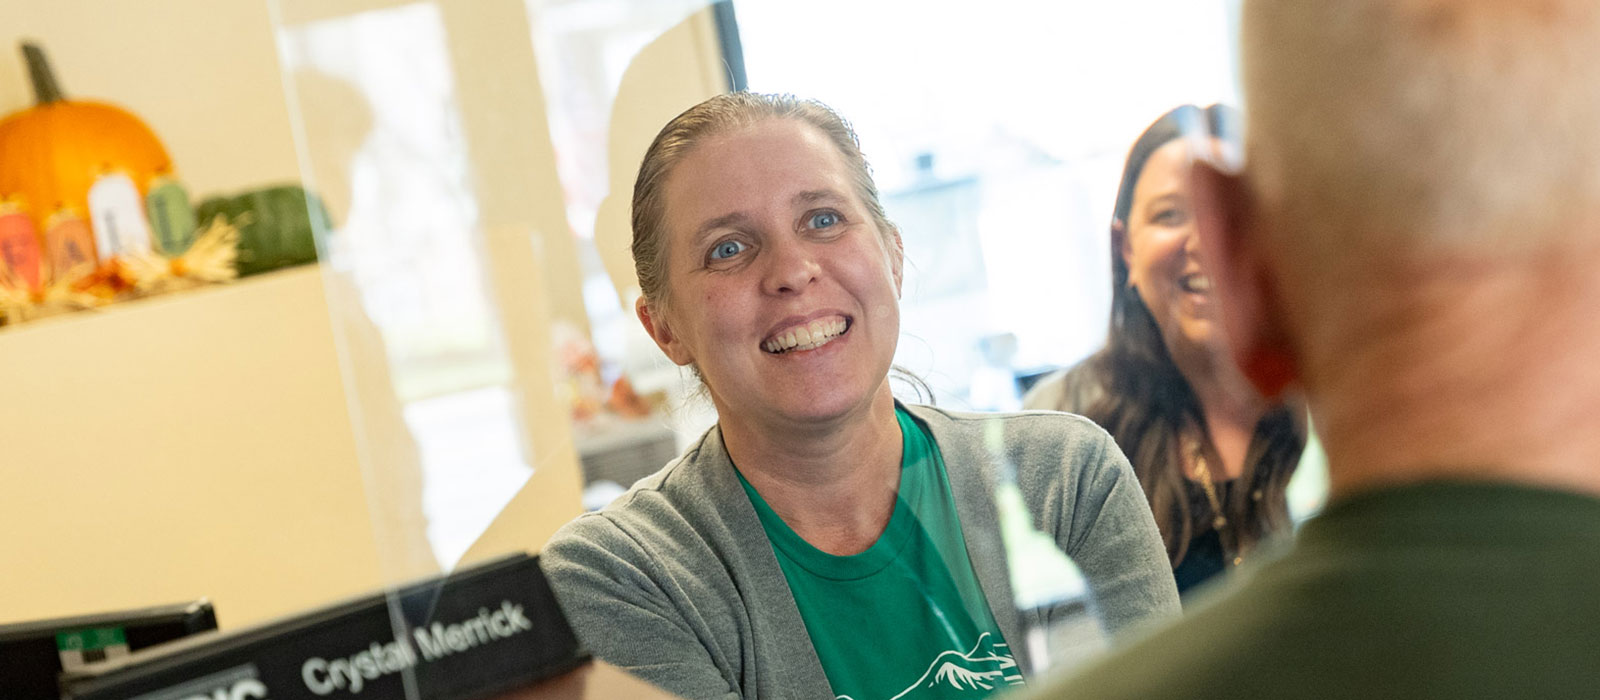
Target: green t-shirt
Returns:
[[905, 619]]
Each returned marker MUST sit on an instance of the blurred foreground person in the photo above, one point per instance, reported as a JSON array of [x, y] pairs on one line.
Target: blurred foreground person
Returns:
[[1214, 458], [1415, 240]]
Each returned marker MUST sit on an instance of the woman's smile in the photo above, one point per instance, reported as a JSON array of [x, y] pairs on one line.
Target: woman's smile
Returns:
[[808, 336]]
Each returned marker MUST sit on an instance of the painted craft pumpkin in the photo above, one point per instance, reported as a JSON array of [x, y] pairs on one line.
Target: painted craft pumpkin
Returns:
[[52, 153]]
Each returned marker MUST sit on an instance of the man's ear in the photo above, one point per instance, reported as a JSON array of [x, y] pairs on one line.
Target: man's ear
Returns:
[[656, 326], [1243, 284]]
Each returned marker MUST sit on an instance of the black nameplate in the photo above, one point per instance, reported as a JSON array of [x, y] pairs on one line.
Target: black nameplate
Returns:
[[478, 631]]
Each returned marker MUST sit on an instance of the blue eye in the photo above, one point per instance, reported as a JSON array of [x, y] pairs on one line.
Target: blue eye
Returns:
[[824, 219], [726, 249]]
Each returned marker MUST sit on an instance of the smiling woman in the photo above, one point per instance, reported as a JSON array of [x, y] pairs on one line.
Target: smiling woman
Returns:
[[823, 539], [1213, 456]]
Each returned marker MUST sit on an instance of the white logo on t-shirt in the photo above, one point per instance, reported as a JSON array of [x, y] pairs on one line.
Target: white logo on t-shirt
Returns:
[[983, 668]]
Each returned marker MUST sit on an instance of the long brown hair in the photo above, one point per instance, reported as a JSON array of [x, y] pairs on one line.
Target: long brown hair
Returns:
[[1135, 391]]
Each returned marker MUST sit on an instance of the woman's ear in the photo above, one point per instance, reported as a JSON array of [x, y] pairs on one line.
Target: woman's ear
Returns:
[[655, 324], [1119, 242], [1246, 292]]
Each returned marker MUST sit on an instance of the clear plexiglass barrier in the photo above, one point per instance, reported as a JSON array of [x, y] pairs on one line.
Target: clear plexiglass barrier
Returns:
[[478, 160]]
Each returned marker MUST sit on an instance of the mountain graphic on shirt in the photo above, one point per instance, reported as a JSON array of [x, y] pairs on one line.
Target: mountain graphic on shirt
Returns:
[[979, 670]]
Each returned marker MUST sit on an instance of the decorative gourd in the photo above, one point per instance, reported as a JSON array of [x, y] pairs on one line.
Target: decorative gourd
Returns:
[[51, 153], [276, 226]]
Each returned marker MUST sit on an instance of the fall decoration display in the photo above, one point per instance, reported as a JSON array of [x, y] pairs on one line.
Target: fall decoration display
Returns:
[[90, 212], [209, 259], [52, 153]]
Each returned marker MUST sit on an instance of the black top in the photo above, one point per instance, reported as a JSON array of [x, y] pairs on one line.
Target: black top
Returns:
[[1270, 460], [1204, 560]]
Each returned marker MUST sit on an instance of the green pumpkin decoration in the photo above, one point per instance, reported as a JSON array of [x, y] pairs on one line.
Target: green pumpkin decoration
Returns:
[[276, 226]]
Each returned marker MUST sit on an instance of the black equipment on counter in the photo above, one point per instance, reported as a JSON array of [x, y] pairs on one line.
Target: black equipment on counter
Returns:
[[33, 654]]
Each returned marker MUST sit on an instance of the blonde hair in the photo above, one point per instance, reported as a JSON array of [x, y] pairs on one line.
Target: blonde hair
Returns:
[[1424, 124], [706, 120]]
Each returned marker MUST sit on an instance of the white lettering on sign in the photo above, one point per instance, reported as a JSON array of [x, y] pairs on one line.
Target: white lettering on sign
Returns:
[[440, 640], [355, 672], [351, 673], [237, 683], [248, 689]]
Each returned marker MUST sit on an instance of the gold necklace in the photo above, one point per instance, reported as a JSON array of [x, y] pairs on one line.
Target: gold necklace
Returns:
[[1203, 474]]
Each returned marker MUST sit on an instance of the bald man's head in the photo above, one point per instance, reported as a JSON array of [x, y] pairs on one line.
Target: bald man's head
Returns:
[[1419, 176], [1423, 124]]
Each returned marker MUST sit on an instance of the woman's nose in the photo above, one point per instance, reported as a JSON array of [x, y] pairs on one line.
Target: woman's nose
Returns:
[[790, 268], [1191, 242]]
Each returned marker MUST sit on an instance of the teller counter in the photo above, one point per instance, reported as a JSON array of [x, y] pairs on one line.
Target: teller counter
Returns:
[[592, 681]]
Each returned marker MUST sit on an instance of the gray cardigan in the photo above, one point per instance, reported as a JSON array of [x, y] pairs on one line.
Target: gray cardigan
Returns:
[[676, 582]]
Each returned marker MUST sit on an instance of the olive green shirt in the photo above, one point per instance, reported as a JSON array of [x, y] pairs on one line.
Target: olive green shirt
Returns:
[[1439, 590]]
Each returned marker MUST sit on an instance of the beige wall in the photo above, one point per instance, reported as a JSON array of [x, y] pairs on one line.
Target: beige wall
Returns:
[[192, 445]]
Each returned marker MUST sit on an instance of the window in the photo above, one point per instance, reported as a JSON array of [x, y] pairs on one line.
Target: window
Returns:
[[997, 132]]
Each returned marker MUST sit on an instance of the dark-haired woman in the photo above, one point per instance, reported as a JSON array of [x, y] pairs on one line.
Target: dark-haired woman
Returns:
[[1214, 459]]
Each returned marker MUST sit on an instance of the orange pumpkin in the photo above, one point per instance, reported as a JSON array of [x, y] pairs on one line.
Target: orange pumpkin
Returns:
[[51, 153]]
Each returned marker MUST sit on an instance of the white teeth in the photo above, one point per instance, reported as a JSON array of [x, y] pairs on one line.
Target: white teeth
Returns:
[[808, 337], [1197, 283]]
